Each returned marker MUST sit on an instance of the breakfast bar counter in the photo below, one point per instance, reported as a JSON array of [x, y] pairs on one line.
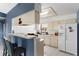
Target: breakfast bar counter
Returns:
[[32, 43], [25, 36]]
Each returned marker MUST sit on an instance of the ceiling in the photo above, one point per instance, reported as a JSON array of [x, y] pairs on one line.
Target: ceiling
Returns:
[[59, 8], [62, 8], [6, 7]]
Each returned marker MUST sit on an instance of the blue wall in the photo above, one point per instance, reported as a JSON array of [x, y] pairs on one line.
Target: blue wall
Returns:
[[2, 14], [1, 33], [1, 26], [20, 9]]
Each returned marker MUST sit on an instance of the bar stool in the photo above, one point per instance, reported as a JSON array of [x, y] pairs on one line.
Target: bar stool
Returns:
[[5, 47], [13, 49], [13, 44]]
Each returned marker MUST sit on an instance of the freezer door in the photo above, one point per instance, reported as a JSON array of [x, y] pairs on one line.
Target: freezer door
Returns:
[[71, 38]]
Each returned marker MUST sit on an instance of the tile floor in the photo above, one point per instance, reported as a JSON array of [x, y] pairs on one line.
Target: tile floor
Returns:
[[50, 51]]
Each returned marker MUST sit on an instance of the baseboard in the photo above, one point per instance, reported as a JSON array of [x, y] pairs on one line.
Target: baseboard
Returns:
[[67, 52]]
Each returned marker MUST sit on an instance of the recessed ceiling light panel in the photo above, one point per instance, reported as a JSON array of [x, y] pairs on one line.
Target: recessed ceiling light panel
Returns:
[[47, 12]]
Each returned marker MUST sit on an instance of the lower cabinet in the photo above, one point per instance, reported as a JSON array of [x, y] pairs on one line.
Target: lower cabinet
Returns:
[[54, 41], [50, 40], [47, 39]]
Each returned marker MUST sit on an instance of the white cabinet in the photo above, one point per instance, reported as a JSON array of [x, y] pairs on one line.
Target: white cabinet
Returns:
[[31, 17], [50, 40], [47, 39], [27, 18], [54, 41], [68, 38]]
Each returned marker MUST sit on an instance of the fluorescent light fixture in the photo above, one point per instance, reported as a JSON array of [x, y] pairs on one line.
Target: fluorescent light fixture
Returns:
[[44, 13], [41, 39], [47, 12]]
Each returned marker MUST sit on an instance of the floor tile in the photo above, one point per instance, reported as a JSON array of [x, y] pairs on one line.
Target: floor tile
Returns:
[[50, 51]]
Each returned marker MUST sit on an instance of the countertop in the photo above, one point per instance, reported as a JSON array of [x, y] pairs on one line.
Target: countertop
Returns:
[[25, 36]]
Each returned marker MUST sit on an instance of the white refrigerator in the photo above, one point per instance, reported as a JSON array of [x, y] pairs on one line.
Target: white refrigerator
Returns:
[[71, 38], [68, 38], [61, 37]]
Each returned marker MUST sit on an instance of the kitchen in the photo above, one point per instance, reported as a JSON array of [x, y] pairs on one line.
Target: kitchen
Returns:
[[43, 29], [54, 32], [61, 25]]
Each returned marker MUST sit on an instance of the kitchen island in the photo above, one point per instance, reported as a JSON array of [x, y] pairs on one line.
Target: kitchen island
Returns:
[[33, 44]]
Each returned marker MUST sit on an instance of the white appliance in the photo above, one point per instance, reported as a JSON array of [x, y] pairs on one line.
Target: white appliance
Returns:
[[71, 38], [61, 40], [68, 38]]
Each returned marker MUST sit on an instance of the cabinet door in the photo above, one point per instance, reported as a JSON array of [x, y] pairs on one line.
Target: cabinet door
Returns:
[[71, 38], [54, 41], [47, 40]]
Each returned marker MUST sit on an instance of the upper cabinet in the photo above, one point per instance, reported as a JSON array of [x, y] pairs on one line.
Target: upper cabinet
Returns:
[[26, 18], [30, 17]]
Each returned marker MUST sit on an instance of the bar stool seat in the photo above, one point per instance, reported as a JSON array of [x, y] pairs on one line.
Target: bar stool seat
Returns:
[[18, 51], [15, 51], [13, 44]]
